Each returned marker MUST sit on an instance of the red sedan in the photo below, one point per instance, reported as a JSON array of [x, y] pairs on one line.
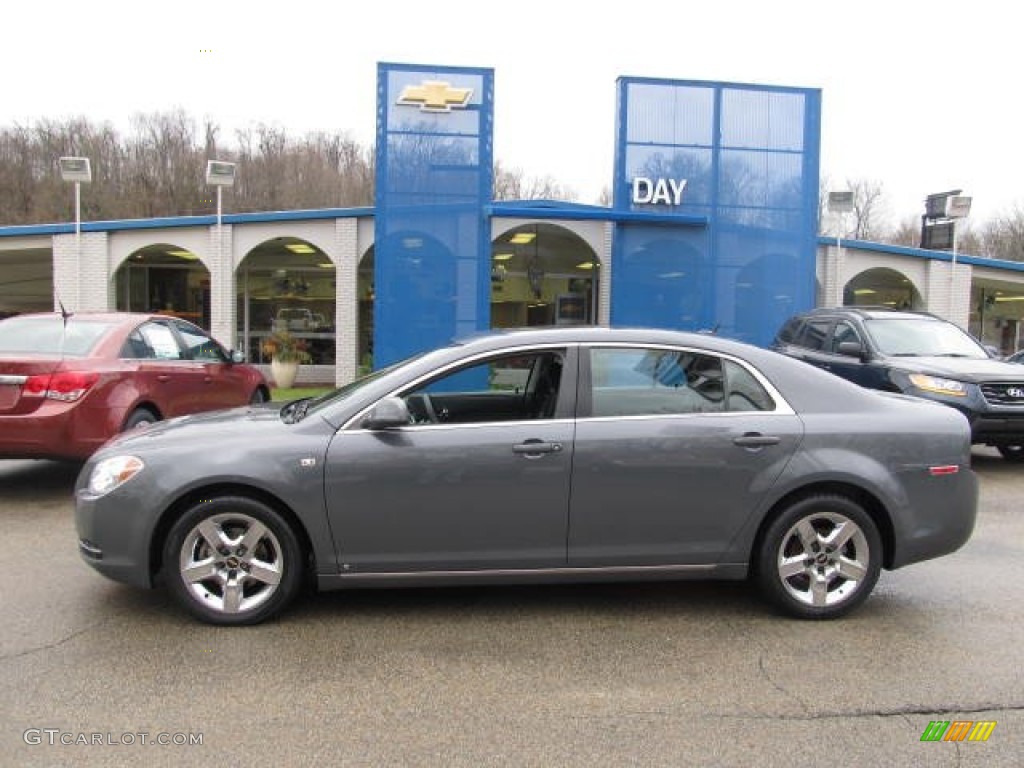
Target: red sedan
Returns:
[[67, 384]]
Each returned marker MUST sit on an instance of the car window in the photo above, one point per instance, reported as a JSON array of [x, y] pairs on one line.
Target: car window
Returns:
[[843, 332], [814, 334], [136, 347], [505, 388], [161, 340], [743, 391], [911, 337], [198, 345], [644, 382], [790, 331], [50, 335]]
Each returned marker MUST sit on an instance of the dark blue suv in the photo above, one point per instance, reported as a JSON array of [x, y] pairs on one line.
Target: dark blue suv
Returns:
[[917, 354]]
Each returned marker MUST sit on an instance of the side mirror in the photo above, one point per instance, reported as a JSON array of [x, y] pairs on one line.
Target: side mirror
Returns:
[[236, 356], [851, 349], [389, 413]]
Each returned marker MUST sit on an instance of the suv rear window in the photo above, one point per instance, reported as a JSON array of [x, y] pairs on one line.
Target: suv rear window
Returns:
[[48, 336]]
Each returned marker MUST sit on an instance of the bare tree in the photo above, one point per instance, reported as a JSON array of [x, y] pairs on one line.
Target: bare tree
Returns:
[[907, 233], [1003, 236], [868, 216]]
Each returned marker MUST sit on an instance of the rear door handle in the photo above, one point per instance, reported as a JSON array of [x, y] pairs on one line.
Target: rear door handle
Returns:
[[755, 440], [163, 377]]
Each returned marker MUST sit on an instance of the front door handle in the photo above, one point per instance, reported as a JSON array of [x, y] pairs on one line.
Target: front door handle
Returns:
[[533, 449], [755, 440]]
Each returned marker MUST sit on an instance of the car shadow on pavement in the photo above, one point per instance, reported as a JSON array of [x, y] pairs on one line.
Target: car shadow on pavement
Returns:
[[32, 479]]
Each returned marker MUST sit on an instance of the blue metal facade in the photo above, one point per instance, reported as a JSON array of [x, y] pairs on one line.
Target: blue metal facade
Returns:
[[741, 259], [433, 187]]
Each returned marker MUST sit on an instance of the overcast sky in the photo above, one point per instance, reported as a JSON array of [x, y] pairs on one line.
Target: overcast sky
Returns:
[[921, 96]]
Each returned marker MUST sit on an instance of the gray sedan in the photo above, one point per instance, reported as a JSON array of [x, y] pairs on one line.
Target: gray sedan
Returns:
[[584, 454]]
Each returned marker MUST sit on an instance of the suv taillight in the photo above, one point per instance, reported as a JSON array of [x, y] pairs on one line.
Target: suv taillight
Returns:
[[66, 386]]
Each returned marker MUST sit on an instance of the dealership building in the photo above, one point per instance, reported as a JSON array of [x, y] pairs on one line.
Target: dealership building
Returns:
[[713, 226]]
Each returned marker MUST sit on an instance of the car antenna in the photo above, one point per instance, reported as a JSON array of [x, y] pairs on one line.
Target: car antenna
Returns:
[[64, 316]]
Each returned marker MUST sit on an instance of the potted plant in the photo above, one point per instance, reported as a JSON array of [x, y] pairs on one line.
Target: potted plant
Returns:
[[286, 353]]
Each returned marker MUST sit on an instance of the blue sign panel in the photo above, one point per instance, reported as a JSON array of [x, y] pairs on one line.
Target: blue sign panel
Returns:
[[433, 183], [744, 157]]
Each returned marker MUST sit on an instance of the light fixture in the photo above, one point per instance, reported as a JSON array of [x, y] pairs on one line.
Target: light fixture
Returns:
[[300, 248], [183, 255], [523, 238], [585, 265], [75, 169], [503, 256], [864, 292], [220, 173], [326, 265], [841, 201]]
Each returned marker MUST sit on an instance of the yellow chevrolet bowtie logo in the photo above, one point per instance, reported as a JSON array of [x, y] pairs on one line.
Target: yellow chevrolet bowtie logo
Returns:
[[435, 96]]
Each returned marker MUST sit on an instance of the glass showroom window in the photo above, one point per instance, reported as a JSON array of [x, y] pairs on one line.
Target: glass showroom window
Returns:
[[286, 285]]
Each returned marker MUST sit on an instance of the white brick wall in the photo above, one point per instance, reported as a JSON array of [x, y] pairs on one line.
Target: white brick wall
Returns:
[[604, 277], [82, 280], [222, 287], [346, 306]]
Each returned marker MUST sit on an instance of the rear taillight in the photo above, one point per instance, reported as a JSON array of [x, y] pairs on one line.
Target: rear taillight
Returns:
[[66, 386]]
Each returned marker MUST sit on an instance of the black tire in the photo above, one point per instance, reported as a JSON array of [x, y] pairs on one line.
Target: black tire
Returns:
[[259, 396], [246, 581], [140, 417], [801, 571], [1014, 453]]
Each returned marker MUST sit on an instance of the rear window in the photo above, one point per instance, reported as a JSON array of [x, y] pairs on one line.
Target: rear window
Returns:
[[48, 336]]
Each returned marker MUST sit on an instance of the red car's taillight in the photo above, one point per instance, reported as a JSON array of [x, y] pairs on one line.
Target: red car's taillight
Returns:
[[66, 386]]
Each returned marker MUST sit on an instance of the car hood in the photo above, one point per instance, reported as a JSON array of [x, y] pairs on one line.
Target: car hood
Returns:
[[211, 428], [962, 369]]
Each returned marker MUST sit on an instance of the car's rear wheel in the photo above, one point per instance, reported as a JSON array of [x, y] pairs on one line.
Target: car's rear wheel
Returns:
[[820, 558], [1013, 453], [259, 396], [233, 560], [140, 417]]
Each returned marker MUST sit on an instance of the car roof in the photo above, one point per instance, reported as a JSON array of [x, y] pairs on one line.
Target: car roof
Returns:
[[879, 312], [589, 334], [113, 318]]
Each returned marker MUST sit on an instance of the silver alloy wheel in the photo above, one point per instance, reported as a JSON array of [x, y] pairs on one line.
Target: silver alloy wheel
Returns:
[[231, 563], [823, 559]]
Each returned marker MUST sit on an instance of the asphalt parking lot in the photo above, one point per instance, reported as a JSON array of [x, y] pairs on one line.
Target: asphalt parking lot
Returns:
[[647, 675]]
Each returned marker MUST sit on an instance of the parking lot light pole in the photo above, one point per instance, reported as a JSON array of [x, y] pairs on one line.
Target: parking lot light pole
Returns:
[[840, 203], [79, 171], [957, 207], [220, 174]]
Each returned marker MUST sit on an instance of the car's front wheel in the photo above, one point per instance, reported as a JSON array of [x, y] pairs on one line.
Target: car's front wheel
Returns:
[[232, 560], [820, 557]]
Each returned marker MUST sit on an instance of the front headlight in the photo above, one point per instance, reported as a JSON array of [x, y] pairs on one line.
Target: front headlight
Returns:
[[113, 472], [937, 385]]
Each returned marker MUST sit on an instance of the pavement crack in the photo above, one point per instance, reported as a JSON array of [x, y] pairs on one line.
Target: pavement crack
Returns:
[[777, 686], [55, 644], [901, 712]]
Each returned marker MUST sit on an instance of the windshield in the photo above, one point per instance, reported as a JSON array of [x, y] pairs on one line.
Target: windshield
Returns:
[[917, 337], [300, 408], [48, 336]]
